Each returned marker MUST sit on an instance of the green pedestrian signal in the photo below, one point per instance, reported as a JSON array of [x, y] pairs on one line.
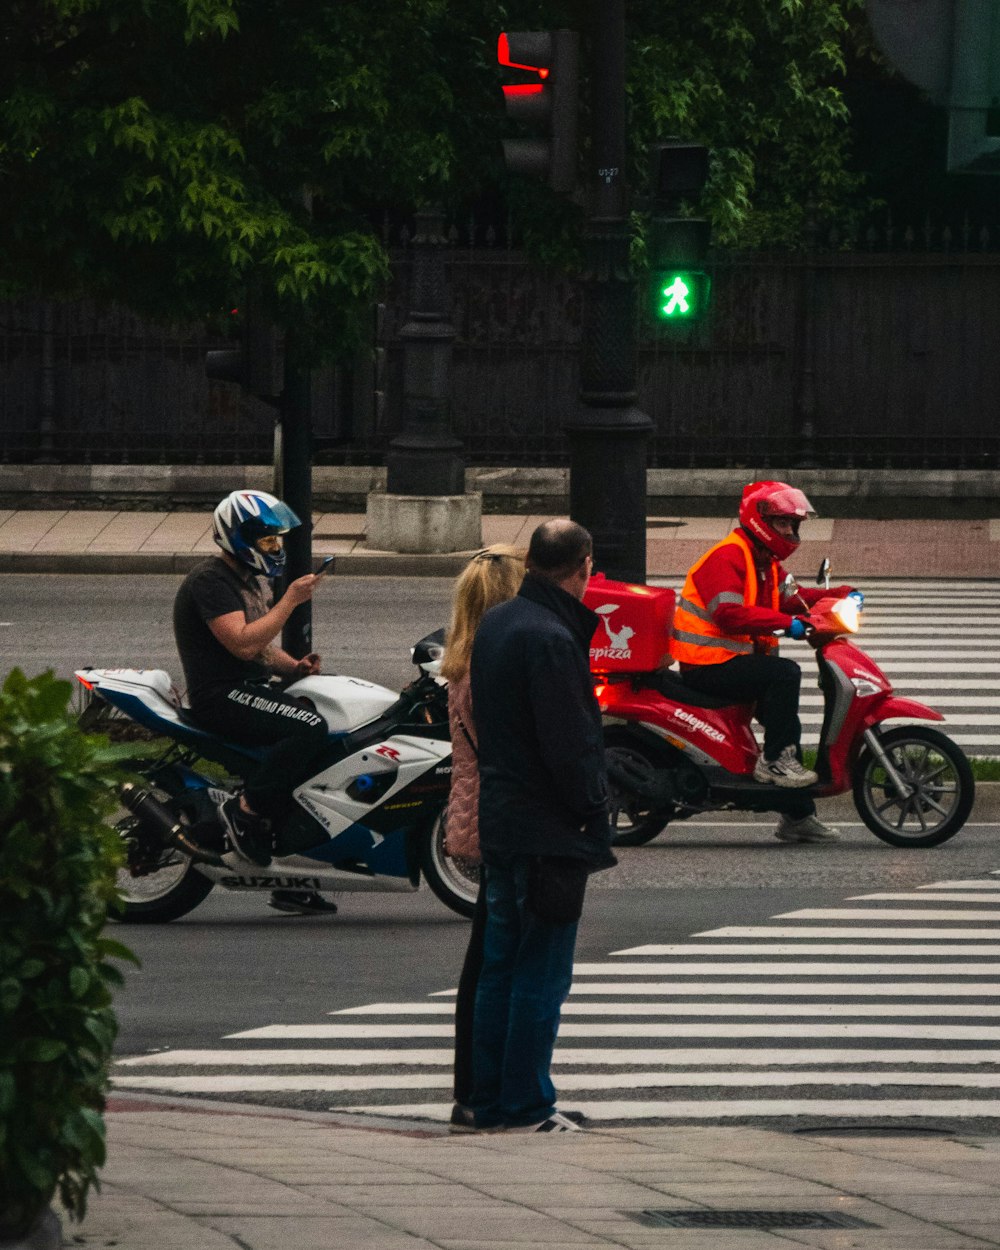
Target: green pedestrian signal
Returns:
[[680, 295]]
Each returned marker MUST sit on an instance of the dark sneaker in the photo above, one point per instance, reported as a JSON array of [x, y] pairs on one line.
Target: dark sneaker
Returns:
[[248, 835], [808, 829], [556, 1123], [302, 903], [785, 771], [463, 1120]]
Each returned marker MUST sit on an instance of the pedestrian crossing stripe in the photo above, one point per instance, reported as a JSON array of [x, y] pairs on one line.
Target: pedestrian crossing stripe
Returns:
[[785, 1035]]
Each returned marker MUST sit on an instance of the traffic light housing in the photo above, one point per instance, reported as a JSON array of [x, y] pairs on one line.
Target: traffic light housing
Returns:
[[678, 245], [257, 363], [547, 98], [951, 50]]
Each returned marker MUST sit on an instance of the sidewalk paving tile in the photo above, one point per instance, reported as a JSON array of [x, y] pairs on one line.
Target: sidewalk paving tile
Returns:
[[22, 530], [127, 531], [73, 532], [180, 531], [313, 1233], [502, 529], [349, 525], [490, 1222]]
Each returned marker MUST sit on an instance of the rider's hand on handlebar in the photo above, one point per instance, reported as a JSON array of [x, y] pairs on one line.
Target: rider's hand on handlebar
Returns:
[[798, 628], [858, 596], [308, 666]]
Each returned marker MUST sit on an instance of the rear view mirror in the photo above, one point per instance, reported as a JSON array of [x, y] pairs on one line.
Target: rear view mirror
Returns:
[[823, 576]]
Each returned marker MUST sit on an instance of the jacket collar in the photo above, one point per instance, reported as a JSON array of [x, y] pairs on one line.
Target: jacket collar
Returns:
[[576, 616]]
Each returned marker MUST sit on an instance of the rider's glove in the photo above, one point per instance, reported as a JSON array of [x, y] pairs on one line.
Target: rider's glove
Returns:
[[858, 597], [798, 628]]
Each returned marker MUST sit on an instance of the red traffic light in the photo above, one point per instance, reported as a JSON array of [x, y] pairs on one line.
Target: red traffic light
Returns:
[[535, 44]]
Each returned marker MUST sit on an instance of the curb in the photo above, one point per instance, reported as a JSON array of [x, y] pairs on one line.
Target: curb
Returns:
[[347, 564]]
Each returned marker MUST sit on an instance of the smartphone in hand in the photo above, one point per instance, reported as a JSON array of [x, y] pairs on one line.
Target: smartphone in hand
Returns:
[[324, 565]]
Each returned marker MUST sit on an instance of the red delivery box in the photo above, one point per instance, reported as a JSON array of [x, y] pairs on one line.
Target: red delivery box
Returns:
[[634, 632]]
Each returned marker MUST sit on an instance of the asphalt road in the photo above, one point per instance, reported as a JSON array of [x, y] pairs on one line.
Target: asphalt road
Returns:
[[363, 626], [234, 966]]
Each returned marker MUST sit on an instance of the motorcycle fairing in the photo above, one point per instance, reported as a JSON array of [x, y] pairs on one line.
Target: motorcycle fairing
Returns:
[[720, 735], [359, 829]]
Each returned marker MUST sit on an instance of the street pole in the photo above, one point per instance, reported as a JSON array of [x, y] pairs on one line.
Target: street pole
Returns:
[[296, 491], [608, 434], [426, 458]]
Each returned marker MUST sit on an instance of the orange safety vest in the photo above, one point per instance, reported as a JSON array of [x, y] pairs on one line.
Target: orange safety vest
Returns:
[[695, 637]]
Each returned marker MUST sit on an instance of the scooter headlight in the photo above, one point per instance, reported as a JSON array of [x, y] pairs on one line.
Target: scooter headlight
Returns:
[[847, 614]]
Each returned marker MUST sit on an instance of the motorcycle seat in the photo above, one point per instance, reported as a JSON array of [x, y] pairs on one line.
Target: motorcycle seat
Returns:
[[673, 686]]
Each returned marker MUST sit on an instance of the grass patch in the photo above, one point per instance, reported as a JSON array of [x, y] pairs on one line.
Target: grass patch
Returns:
[[982, 769]]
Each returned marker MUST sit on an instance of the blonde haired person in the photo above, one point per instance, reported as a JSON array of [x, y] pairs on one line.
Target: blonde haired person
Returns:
[[492, 576]]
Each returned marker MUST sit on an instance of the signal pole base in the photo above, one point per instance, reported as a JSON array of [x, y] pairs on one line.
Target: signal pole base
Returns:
[[425, 524]]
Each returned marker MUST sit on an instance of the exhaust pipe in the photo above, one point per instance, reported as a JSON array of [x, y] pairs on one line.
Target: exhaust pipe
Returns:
[[159, 820]]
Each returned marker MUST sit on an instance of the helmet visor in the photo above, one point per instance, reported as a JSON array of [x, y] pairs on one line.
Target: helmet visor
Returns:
[[786, 501]]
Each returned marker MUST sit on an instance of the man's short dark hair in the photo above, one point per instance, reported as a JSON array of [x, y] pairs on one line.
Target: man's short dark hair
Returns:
[[558, 548]]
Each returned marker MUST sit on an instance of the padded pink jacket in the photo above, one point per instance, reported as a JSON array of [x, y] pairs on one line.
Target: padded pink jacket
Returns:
[[462, 833]]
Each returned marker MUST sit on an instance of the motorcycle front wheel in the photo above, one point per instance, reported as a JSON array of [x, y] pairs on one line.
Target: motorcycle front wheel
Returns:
[[455, 881], [941, 783]]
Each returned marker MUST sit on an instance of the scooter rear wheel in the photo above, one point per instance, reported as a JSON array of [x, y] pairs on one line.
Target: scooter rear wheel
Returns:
[[634, 821], [943, 788]]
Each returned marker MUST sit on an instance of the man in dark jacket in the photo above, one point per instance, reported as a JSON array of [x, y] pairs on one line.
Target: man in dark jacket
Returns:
[[543, 822]]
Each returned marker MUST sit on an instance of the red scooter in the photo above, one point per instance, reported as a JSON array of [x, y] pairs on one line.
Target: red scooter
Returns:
[[673, 752]]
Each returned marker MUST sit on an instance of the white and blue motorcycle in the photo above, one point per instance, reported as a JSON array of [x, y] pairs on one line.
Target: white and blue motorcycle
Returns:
[[371, 818]]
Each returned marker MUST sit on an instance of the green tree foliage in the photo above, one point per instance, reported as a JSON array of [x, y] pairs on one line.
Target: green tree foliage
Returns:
[[58, 862], [759, 82], [159, 151]]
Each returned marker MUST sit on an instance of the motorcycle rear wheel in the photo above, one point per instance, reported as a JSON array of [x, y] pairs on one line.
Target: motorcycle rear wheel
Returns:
[[633, 821], [455, 881], [170, 890], [943, 788]]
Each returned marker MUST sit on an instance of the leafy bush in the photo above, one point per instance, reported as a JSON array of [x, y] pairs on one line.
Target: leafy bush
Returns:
[[58, 861]]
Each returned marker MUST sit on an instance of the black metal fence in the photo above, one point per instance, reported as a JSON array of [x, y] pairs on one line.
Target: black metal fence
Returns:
[[882, 355]]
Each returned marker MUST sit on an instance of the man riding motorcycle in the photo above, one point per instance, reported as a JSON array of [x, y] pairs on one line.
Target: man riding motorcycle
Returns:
[[226, 625], [723, 637]]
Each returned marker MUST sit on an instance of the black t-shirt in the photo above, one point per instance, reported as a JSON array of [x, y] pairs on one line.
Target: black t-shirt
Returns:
[[213, 589]]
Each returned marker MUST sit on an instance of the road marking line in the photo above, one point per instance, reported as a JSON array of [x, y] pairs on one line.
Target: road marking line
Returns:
[[567, 1056], [800, 969], [756, 950], [715, 989], [676, 1007], [900, 1108], [940, 1032], [939, 895], [888, 913], [847, 931], [961, 885], [590, 1081], [286, 1058]]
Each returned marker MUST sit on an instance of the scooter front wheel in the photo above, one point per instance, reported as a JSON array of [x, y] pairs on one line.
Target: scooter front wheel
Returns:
[[939, 778]]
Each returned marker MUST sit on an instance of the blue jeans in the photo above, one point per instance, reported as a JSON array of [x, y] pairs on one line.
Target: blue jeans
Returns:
[[525, 978]]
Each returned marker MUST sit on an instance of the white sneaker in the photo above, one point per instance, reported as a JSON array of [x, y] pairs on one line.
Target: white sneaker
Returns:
[[556, 1123], [785, 771], [807, 829]]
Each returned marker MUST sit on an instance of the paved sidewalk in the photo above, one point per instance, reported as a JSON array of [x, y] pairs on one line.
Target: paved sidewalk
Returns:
[[211, 1176], [81, 541]]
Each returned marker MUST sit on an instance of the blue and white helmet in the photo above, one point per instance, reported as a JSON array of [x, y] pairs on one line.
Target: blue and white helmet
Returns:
[[246, 516]]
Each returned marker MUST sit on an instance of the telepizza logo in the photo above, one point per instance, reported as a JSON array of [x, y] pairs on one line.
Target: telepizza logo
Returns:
[[618, 639], [702, 725]]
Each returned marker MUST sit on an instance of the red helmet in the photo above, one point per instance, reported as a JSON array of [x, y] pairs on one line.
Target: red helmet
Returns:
[[763, 500]]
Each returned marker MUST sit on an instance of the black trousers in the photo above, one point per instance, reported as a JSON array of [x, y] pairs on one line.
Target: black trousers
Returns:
[[465, 999], [259, 715], [772, 685]]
